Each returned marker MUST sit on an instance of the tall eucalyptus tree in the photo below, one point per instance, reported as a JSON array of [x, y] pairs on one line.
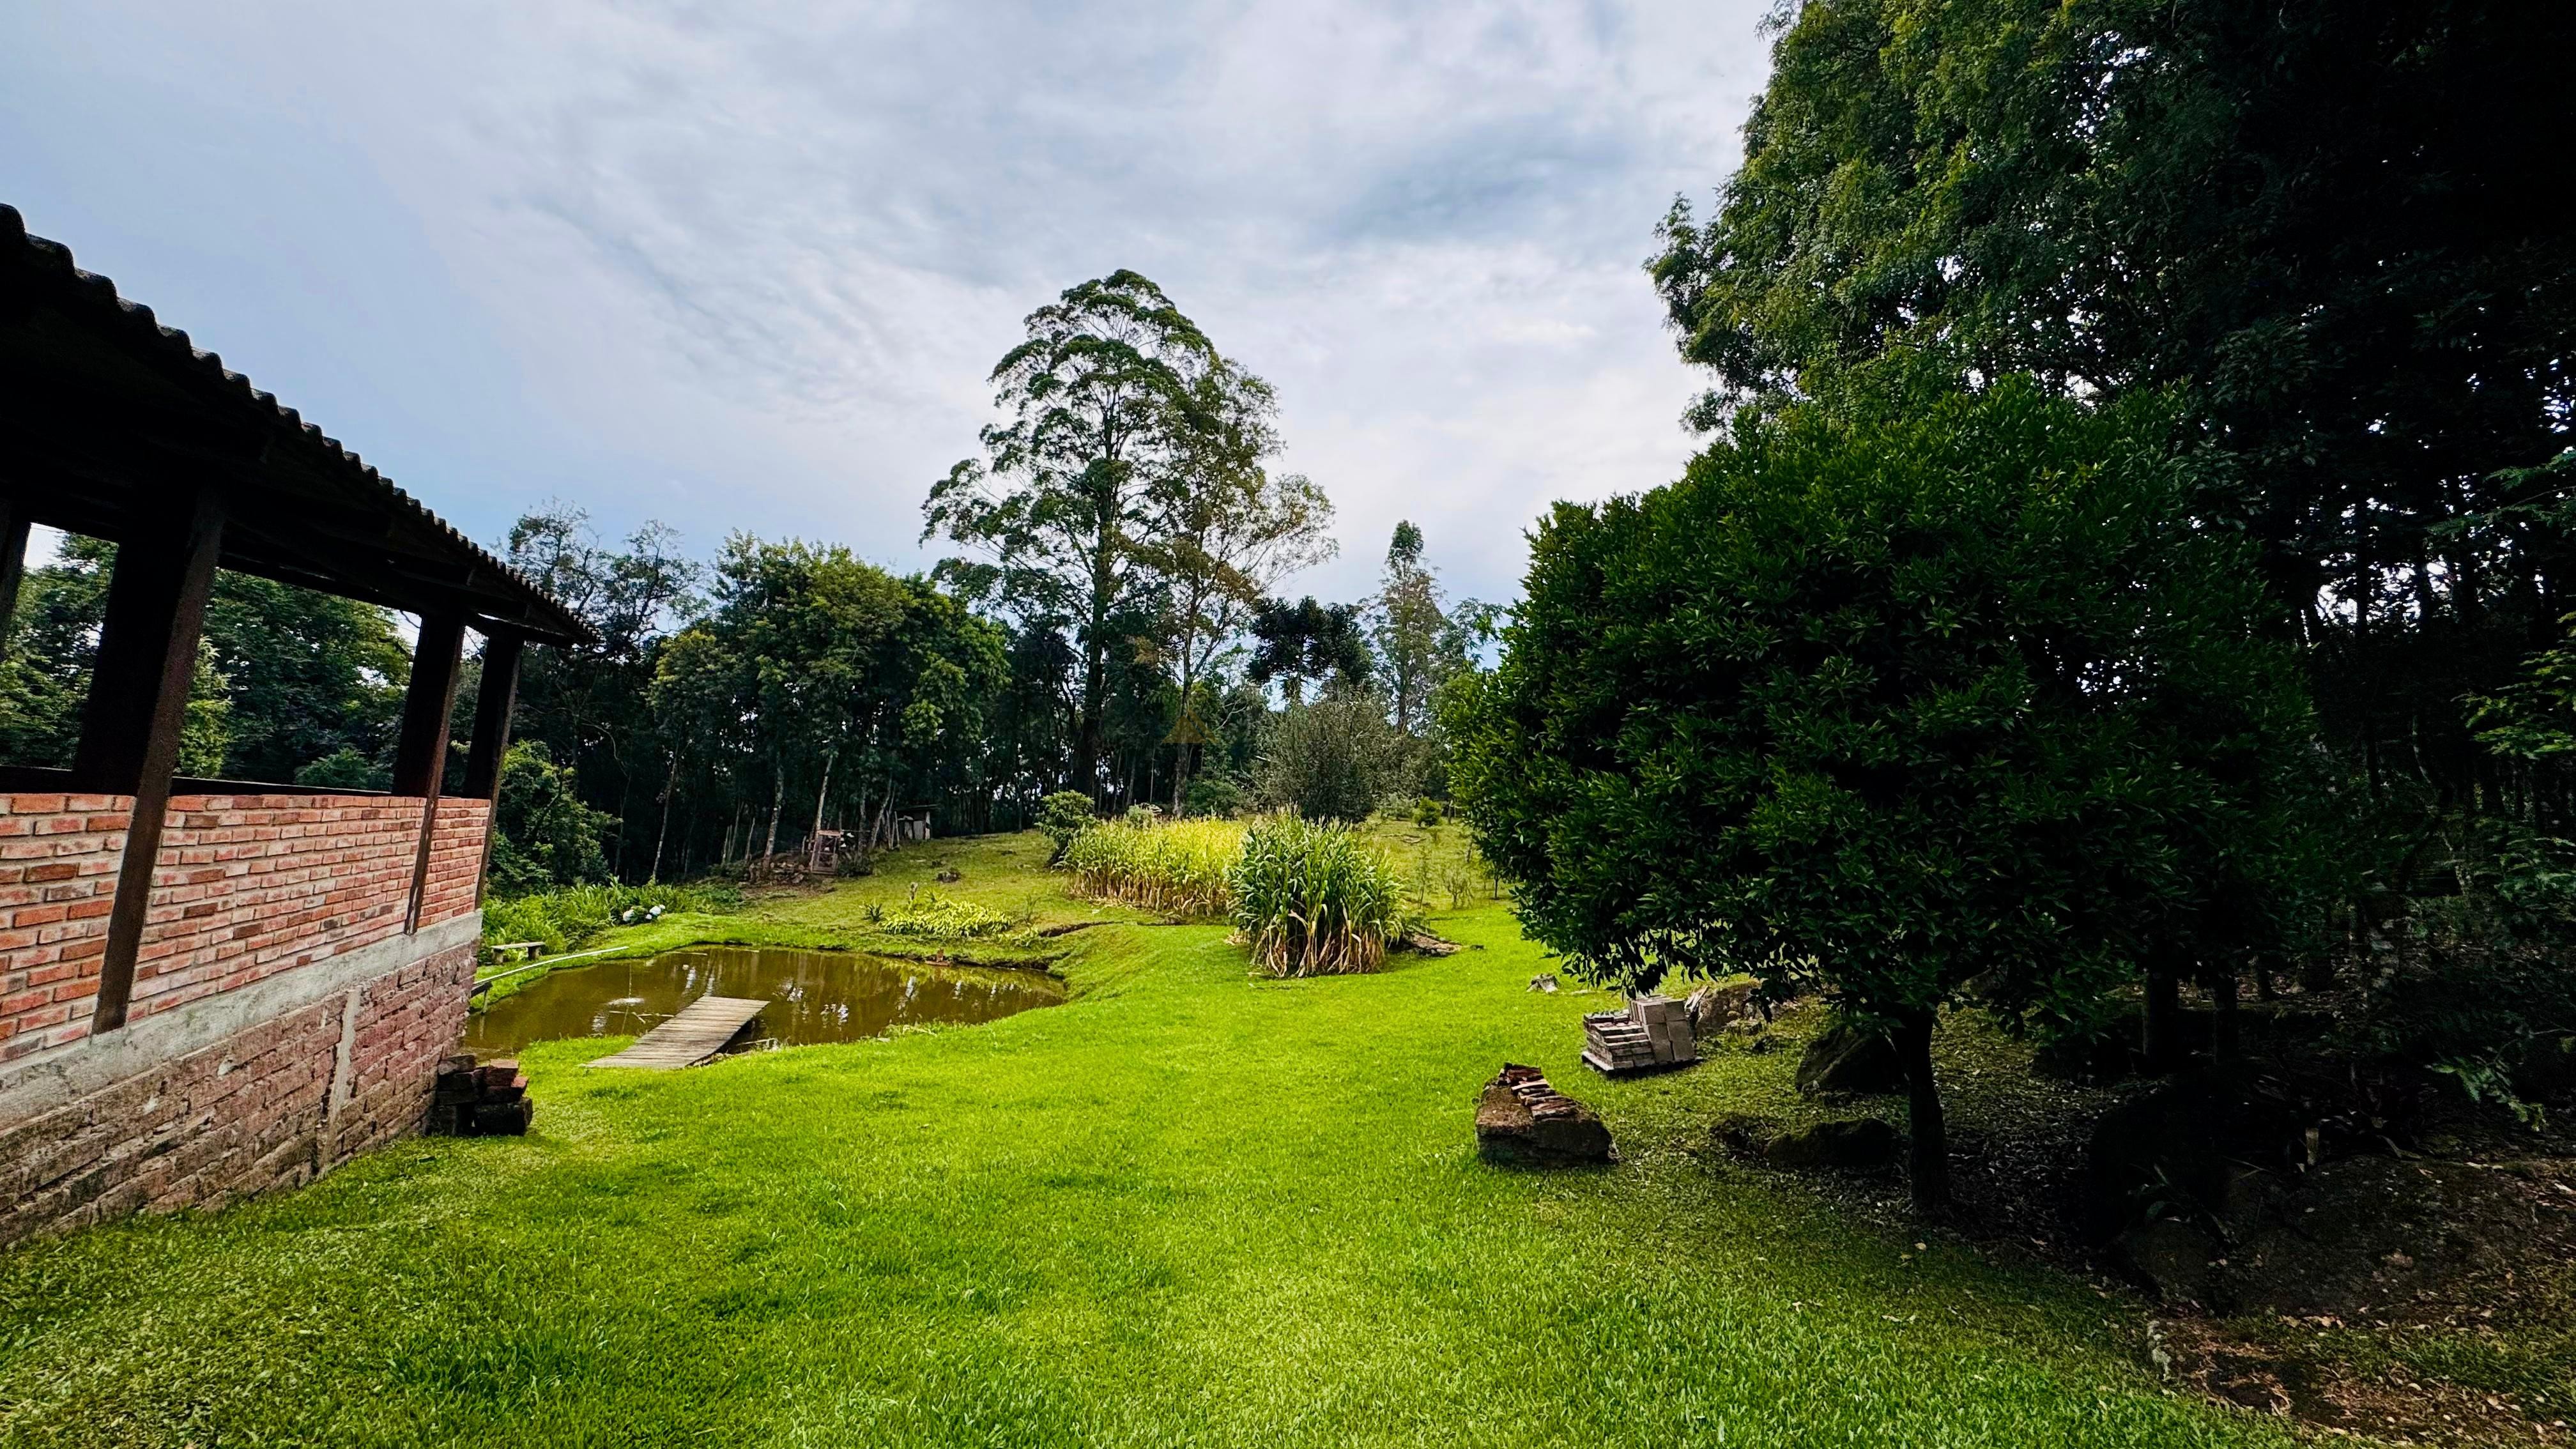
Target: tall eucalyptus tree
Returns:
[[1065, 494]]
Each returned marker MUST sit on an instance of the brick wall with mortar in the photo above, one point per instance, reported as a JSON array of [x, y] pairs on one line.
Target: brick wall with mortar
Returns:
[[271, 1106], [302, 1025], [245, 886], [58, 861], [455, 859], [250, 885]]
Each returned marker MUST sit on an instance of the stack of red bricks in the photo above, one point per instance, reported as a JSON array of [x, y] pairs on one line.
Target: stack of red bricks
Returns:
[[490, 1100]]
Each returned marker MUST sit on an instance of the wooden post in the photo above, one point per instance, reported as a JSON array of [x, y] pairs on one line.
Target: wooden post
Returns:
[[420, 754], [137, 707], [493, 703], [13, 564]]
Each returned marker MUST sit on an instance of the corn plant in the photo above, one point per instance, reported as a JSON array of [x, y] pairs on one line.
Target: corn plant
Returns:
[[1181, 868], [1315, 900]]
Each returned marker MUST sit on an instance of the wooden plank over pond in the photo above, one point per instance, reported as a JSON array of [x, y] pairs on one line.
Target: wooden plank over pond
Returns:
[[703, 1028]]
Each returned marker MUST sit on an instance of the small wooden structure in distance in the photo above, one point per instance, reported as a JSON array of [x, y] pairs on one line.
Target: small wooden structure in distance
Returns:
[[1652, 1035], [702, 1028]]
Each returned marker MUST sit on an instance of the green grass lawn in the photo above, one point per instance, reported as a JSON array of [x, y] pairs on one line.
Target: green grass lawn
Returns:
[[1186, 1208]]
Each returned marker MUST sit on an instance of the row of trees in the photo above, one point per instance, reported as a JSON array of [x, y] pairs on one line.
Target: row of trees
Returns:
[[2134, 546], [1107, 626]]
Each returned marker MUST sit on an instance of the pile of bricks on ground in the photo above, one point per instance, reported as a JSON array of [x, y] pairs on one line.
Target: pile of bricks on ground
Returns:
[[1652, 1035], [1520, 1119], [490, 1100]]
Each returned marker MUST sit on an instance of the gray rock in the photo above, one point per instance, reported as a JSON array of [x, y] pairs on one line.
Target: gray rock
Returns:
[[1743, 1133], [1850, 1058], [1714, 1008], [1545, 982], [1861, 1142], [2178, 1260]]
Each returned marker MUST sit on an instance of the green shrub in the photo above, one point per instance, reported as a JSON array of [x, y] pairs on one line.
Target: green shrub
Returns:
[[563, 919], [1910, 697], [1330, 760], [1183, 868], [1314, 899], [1062, 816], [928, 915], [543, 835], [1212, 797]]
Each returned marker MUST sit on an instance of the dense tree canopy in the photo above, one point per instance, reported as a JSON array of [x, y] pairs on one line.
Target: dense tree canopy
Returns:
[[1907, 699], [2325, 222]]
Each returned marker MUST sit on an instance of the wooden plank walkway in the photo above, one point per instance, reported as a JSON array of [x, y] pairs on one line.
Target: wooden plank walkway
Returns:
[[702, 1029]]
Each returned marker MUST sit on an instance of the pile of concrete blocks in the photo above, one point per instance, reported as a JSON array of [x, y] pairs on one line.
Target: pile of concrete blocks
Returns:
[[490, 1100], [1654, 1034]]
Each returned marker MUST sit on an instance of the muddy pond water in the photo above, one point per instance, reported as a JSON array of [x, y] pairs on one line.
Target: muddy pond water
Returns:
[[813, 996]]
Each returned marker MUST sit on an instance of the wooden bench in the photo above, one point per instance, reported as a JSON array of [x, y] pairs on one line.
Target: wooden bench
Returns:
[[530, 949]]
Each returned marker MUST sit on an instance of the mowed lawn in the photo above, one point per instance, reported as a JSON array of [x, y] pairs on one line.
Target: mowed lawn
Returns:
[[1187, 1208]]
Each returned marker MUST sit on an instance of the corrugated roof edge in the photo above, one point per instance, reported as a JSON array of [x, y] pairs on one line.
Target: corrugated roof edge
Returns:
[[58, 257]]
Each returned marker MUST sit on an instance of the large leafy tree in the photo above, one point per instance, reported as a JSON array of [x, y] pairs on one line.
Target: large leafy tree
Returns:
[[791, 651], [819, 673], [2327, 223], [1067, 489], [588, 702], [1910, 699], [1225, 528]]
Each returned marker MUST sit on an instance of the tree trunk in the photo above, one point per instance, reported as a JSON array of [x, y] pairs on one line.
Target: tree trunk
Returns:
[[2226, 1044], [1929, 1168], [777, 807], [2163, 1008], [662, 837], [814, 841], [1095, 657]]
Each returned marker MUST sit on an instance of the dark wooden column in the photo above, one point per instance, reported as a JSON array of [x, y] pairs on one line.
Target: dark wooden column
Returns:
[[420, 755], [494, 700], [13, 563], [137, 706]]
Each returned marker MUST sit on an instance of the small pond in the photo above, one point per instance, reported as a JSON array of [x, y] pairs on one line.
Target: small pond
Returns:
[[813, 996]]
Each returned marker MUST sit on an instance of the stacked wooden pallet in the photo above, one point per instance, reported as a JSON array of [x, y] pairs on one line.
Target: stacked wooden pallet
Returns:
[[1653, 1034], [490, 1100]]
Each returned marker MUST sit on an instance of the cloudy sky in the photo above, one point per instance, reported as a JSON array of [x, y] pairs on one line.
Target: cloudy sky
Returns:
[[745, 266]]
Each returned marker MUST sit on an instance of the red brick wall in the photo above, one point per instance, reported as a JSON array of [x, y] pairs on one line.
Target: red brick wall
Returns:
[[455, 859], [58, 862], [246, 886], [270, 1106], [405, 1023], [251, 885]]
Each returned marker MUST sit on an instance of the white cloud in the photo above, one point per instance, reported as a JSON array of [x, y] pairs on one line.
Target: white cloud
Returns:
[[749, 264]]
